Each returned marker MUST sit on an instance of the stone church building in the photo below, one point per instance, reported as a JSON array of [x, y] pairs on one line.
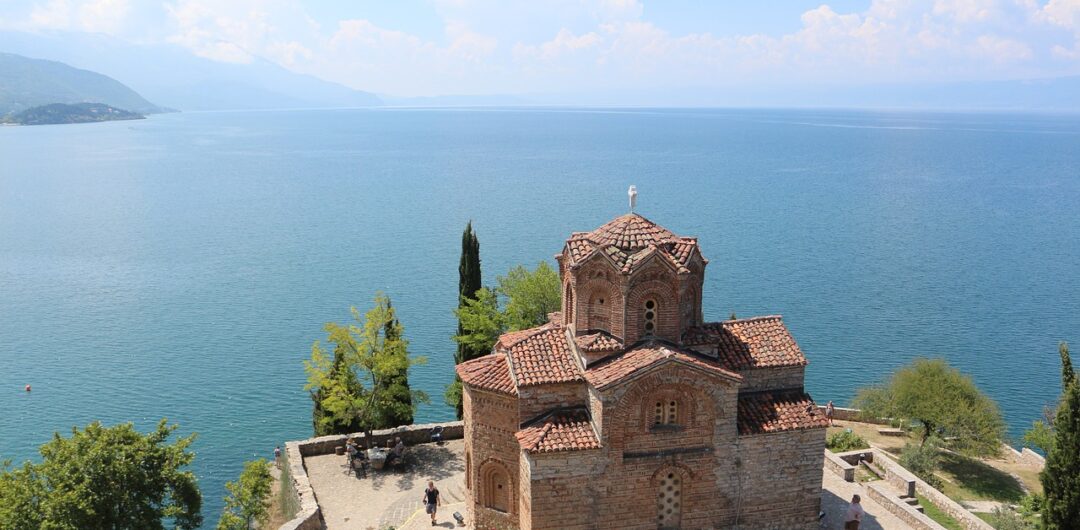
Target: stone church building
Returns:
[[628, 410]]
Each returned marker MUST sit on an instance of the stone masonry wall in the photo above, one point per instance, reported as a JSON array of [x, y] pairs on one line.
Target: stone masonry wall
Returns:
[[772, 378], [491, 420], [780, 479], [536, 400], [564, 489]]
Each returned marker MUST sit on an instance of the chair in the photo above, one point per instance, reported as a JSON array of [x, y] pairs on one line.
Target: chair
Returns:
[[359, 466]]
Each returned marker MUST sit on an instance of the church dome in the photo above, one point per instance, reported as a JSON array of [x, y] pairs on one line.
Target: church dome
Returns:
[[628, 240]]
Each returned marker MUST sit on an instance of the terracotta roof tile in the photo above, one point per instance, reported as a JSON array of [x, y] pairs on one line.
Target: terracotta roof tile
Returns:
[[511, 338], [759, 342], [628, 240], [598, 342], [609, 372], [543, 356], [765, 412], [490, 372], [565, 430]]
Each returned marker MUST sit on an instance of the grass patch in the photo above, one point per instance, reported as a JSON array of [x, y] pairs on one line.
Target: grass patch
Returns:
[[970, 479], [864, 474], [932, 511]]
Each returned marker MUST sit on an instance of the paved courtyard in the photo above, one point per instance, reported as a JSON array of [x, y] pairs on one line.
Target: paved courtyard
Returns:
[[388, 498], [392, 498]]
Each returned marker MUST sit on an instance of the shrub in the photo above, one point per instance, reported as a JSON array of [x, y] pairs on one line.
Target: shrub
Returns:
[[1031, 504], [923, 460], [845, 440], [1006, 519]]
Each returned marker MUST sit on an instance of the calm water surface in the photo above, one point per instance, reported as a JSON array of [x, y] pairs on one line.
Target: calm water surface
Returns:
[[183, 265]]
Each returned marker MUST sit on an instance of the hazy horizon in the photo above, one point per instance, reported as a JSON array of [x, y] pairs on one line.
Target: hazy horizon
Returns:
[[603, 52]]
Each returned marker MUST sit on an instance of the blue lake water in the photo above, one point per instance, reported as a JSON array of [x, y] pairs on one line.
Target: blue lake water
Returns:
[[183, 265]]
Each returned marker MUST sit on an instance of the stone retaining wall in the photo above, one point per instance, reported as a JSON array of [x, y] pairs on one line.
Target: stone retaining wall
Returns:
[[966, 519], [881, 493], [850, 414], [839, 466], [310, 515], [1030, 457]]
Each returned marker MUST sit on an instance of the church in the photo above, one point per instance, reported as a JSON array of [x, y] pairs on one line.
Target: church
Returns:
[[628, 410]]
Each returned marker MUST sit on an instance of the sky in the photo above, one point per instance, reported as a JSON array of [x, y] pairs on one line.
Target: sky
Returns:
[[438, 47]]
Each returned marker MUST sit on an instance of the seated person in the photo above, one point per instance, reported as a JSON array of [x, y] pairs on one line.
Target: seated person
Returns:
[[351, 449], [396, 453]]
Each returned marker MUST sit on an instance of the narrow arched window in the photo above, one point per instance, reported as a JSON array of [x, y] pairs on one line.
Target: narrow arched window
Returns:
[[568, 318], [665, 412], [651, 309], [669, 501], [496, 487]]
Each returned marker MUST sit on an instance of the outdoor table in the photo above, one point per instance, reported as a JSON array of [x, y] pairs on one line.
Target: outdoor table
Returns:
[[377, 456]]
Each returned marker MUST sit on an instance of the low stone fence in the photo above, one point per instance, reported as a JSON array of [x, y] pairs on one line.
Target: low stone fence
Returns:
[[850, 414], [882, 494], [1030, 457], [310, 515], [966, 519]]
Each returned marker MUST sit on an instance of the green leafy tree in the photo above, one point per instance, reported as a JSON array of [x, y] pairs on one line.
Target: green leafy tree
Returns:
[[845, 440], [248, 503], [375, 351], [946, 402], [113, 478], [1061, 476], [530, 295], [1041, 434], [923, 459]]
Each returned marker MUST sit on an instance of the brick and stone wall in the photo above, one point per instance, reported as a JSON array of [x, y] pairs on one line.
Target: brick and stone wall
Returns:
[[772, 378], [538, 399], [491, 419], [780, 477]]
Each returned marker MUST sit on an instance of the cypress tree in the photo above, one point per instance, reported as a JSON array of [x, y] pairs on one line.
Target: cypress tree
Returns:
[[1061, 476], [397, 385], [1068, 377], [468, 285]]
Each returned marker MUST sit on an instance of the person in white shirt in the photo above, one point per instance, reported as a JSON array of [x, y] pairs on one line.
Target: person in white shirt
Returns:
[[854, 514]]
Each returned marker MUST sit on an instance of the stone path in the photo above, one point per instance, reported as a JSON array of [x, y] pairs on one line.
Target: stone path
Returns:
[[384, 498], [981, 506], [837, 494]]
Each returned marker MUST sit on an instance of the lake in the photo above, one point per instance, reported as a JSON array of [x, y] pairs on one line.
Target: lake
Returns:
[[182, 266]]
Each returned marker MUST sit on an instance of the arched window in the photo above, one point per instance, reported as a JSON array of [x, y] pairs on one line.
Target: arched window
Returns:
[[651, 309], [669, 501], [568, 318], [495, 483], [468, 470]]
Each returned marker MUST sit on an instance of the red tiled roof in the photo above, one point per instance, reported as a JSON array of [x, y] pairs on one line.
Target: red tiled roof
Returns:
[[606, 373], [598, 342], [786, 410], [628, 240], [490, 372], [507, 340], [568, 430], [543, 356], [759, 342]]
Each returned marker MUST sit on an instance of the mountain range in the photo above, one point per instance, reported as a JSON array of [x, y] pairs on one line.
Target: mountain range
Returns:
[[26, 83], [173, 77]]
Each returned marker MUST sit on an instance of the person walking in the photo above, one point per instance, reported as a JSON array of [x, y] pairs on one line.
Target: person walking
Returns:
[[277, 456], [829, 411], [854, 514], [432, 500]]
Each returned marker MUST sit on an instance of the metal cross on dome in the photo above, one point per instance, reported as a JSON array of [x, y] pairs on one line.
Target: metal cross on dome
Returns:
[[632, 192]]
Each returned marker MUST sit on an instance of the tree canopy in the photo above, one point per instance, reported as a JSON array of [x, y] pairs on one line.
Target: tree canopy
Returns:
[[944, 401], [523, 299], [1041, 435], [113, 478], [248, 503], [373, 352], [1061, 476]]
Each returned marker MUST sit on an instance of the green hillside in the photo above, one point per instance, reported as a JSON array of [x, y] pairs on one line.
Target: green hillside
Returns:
[[56, 113], [27, 83]]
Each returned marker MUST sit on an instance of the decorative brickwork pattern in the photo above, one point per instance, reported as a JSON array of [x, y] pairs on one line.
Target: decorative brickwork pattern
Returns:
[[624, 366]]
